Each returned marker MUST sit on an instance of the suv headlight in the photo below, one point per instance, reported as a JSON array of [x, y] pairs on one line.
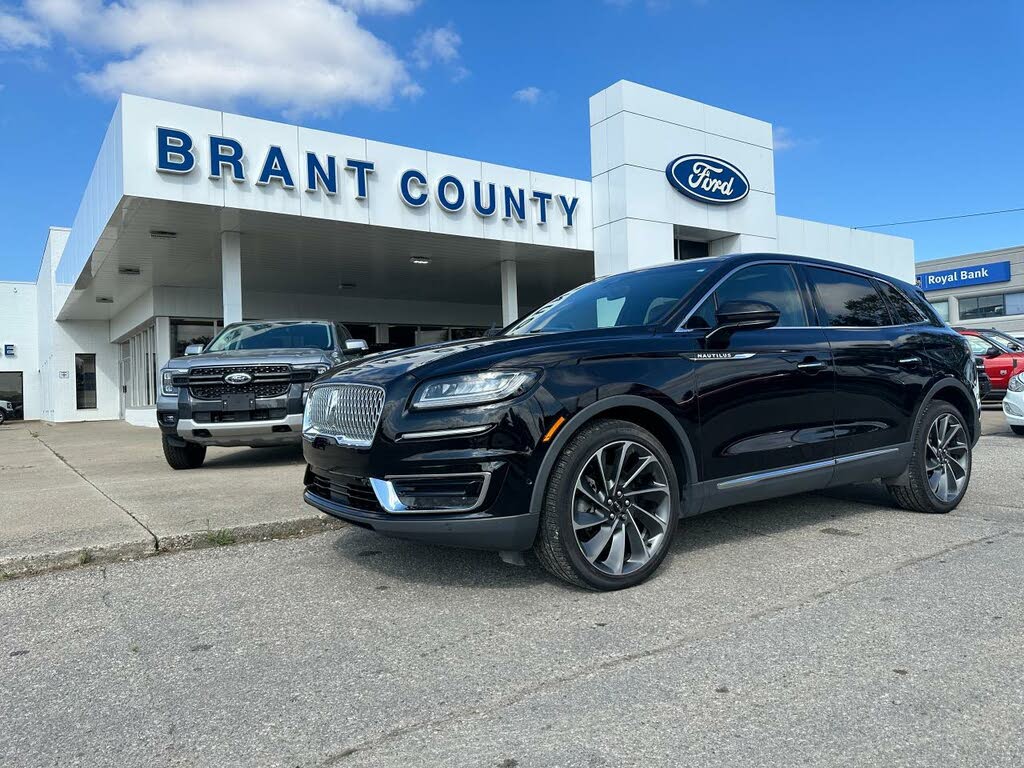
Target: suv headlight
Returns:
[[167, 383], [1016, 383], [472, 389]]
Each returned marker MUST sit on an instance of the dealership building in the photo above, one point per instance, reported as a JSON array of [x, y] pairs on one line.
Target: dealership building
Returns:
[[193, 218], [978, 290]]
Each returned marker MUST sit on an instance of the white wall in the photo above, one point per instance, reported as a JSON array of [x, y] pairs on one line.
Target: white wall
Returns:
[[19, 326], [635, 132], [60, 341], [882, 253]]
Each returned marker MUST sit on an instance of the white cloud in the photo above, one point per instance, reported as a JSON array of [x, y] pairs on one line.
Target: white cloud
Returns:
[[439, 44], [531, 94], [783, 139], [17, 32], [299, 56]]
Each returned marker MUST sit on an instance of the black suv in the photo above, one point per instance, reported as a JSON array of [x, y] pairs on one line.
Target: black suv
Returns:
[[587, 429]]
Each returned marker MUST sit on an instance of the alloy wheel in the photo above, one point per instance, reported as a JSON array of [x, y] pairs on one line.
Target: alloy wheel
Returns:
[[621, 507], [947, 458]]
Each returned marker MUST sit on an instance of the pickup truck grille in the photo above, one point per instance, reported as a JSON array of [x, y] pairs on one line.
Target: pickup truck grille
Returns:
[[267, 381], [347, 412]]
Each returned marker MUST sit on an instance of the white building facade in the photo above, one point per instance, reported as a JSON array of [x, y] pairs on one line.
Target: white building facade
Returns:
[[193, 218]]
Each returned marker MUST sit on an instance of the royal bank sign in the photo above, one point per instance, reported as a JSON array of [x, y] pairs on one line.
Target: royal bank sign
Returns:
[[707, 179], [958, 277], [178, 153]]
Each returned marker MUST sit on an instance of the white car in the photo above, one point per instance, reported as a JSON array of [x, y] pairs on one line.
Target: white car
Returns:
[[1013, 403]]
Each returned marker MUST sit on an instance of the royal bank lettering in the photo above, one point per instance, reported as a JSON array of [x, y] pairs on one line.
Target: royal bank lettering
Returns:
[[996, 272], [322, 174]]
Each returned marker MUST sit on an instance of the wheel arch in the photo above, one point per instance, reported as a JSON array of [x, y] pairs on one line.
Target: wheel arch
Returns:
[[956, 394], [642, 411]]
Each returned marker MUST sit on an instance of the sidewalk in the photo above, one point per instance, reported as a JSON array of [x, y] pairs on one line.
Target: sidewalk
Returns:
[[91, 492]]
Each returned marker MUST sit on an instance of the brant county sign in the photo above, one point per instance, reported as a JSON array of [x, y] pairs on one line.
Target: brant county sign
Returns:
[[707, 179]]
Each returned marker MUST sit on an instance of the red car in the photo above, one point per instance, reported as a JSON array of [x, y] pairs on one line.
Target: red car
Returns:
[[1003, 356]]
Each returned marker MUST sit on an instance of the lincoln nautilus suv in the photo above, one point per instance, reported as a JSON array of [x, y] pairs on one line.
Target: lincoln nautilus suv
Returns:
[[585, 431]]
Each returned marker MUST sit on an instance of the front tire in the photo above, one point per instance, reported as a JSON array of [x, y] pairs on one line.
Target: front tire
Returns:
[[189, 456], [939, 471], [611, 507]]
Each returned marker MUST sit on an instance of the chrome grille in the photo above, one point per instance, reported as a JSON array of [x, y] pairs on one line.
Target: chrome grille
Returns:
[[346, 412]]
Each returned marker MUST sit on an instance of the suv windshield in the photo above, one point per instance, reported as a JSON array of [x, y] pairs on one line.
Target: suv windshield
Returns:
[[273, 335], [629, 299], [1002, 339]]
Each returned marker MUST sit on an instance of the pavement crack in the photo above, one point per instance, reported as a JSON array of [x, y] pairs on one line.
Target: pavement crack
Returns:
[[522, 694], [104, 494]]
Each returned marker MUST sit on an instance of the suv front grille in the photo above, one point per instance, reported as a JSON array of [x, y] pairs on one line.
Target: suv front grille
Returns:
[[268, 381], [347, 412]]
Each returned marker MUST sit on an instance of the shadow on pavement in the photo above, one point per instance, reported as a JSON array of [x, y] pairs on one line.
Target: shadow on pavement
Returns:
[[256, 457]]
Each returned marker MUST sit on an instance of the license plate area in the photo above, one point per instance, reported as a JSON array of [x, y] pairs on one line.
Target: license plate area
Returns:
[[239, 401]]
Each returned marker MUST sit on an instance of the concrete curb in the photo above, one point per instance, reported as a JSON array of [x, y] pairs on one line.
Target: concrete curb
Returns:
[[18, 566]]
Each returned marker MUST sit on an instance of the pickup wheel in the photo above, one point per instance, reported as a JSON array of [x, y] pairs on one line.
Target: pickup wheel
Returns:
[[940, 465], [610, 509], [189, 456]]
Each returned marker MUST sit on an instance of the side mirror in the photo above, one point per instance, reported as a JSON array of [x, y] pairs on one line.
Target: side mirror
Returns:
[[356, 346], [743, 315], [194, 349], [993, 352]]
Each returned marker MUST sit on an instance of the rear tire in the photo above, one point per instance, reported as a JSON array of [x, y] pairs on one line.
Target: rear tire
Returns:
[[1017, 429], [939, 471], [610, 509], [189, 456]]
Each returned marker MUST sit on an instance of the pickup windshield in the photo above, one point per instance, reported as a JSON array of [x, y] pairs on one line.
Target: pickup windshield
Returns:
[[272, 335], [630, 299]]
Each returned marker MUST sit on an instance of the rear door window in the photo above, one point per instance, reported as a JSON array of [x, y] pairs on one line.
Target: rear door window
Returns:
[[848, 300]]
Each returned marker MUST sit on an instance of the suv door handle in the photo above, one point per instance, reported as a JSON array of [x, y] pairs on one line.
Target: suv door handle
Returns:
[[811, 366]]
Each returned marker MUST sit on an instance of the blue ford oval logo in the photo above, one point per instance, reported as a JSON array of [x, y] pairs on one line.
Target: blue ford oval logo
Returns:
[[707, 179], [238, 379]]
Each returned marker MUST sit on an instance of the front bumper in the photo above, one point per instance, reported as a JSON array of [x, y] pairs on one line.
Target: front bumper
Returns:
[[284, 431], [1013, 408], [339, 478]]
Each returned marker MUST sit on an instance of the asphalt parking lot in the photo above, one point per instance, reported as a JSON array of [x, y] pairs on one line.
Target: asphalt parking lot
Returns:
[[823, 629]]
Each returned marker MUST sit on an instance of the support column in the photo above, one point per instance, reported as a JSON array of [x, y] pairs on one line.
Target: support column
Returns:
[[509, 293], [231, 275]]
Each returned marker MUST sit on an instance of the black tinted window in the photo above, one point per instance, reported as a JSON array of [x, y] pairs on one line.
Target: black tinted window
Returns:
[[848, 300], [903, 312], [773, 283]]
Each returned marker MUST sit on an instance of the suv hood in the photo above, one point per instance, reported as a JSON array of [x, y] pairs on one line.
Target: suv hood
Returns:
[[253, 356]]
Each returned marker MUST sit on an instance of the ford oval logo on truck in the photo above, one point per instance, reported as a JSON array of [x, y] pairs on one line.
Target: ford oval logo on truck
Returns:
[[238, 379], [707, 179]]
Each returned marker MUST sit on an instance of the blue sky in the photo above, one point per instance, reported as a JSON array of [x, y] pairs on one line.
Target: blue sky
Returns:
[[884, 111]]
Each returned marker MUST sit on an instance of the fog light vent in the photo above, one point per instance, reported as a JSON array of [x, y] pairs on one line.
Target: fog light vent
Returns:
[[1012, 409], [432, 493]]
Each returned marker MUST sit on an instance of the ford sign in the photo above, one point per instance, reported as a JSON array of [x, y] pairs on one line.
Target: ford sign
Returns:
[[707, 179], [238, 379]]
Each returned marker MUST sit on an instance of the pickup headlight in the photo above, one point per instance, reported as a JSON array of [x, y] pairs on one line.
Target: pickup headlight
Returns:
[[472, 389], [1016, 383], [167, 383]]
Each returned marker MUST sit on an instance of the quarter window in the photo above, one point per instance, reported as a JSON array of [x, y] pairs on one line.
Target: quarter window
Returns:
[[903, 312], [773, 283], [848, 300]]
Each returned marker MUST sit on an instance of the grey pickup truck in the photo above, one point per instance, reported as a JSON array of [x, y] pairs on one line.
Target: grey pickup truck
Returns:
[[247, 386]]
